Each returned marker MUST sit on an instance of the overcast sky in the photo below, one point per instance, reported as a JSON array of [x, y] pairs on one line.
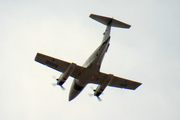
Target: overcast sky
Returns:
[[148, 52]]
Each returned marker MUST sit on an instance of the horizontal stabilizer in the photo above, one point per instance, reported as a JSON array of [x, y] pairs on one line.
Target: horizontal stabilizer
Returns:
[[106, 20]]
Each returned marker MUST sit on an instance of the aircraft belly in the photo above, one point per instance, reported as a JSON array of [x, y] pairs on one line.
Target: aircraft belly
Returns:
[[88, 75], [75, 89], [73, 93]]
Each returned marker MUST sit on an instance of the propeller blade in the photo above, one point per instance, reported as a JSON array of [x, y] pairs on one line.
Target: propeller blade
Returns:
[[62, 87], [99, 98], [92, 88], [90, 94], [54, 77], [54, 84]]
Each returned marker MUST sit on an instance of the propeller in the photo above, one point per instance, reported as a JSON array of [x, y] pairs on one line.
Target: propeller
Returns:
[[91, 94], [55, 84], [95, 90]]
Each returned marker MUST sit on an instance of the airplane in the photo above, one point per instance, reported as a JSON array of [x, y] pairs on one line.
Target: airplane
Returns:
[[89, 72]]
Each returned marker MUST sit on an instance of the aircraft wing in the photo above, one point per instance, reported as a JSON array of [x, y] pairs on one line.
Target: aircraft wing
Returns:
[[124, 83], [61, 66], [118, 82], [58, 64]]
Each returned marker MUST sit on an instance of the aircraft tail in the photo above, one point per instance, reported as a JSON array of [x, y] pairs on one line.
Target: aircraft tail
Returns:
[[106, 20]]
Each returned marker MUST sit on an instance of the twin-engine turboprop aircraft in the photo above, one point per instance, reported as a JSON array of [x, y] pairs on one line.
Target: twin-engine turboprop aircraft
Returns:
[[90, 71]]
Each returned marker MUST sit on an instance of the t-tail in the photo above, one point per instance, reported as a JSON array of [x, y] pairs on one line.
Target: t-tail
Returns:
[[109, 22]]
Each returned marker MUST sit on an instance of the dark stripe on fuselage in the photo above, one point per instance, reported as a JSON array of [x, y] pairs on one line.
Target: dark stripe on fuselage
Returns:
[[77, 87], [106, 41]]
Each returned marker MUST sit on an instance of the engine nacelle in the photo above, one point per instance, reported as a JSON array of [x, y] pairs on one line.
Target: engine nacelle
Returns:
[[63, 77], [100, 88]]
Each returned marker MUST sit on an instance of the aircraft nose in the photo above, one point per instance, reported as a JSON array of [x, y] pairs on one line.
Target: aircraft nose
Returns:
[[75, 90], [73, 94], [70, 98]]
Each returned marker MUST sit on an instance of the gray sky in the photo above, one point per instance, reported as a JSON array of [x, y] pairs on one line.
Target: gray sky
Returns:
[[148, 52]]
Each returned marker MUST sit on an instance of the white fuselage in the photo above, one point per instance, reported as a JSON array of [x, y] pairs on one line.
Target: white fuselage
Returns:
[[92, 65]]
